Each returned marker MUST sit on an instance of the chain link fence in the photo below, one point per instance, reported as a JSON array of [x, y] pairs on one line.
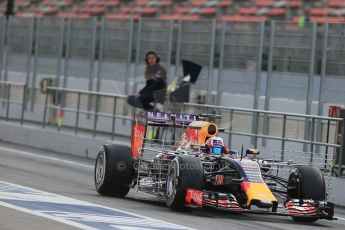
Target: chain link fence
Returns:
[[271, 66]]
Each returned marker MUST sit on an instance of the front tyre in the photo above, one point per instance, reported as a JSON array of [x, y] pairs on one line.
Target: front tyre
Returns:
[[184, 172], [113, 170], [306, 182]]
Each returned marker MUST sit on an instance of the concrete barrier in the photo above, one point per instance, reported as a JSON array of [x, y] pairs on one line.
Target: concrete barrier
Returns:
[[53, 140]]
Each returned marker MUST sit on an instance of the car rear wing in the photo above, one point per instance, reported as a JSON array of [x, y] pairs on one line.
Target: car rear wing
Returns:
[[164, 119], [143, 119]]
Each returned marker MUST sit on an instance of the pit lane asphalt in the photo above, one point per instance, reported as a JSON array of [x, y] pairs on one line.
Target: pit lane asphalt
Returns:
[[73, 177]]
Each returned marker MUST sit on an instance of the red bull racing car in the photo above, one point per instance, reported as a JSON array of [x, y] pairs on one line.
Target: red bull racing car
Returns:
[[180, 159]]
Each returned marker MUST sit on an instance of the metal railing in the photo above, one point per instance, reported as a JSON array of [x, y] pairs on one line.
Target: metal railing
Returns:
[[256, 124], [285, 128], [55, 101], [9, 96]]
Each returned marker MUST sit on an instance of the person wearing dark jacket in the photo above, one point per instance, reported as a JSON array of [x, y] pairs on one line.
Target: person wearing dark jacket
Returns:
[[155, 75]]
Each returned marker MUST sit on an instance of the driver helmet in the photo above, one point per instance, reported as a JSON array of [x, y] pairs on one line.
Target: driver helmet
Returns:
[[215, 146]]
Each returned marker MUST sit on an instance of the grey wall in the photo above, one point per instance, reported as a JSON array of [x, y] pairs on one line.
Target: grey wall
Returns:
[[52, 140]]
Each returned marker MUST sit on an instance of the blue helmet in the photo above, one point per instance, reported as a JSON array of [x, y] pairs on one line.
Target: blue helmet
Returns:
[[215, 145]]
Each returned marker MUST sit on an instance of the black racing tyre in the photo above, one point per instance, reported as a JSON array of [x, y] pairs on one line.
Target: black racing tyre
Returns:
[[184, 172], [306, 182], [113, 170]]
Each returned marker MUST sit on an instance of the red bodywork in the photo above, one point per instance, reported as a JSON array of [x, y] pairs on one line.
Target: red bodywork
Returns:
[[138, 134], [194, 197], [212, 199], [304, 208]]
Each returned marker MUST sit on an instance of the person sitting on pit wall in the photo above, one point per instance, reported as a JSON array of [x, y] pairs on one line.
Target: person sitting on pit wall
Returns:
[[155, 75]]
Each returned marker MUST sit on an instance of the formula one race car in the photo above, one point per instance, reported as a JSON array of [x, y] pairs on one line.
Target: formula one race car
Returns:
[[179, 159]]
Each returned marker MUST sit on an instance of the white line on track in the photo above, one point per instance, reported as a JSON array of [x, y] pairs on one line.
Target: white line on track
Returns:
[[78, 213], [31, 154], [36, 213]]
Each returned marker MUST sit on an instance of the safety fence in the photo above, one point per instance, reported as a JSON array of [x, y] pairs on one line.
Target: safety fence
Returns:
[[12, 94], [61, 101], [272, 59], [282, 136], [317, 138]]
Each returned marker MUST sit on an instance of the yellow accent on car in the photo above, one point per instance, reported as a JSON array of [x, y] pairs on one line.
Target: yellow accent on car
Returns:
[[205, 132], [259, 191], [152, 133]]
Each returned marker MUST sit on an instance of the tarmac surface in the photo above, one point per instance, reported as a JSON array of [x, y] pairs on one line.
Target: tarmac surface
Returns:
[[72, 178]]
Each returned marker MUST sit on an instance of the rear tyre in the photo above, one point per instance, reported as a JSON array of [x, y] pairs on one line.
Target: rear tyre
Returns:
[[184, 172], [113, 170], [306, 182]]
